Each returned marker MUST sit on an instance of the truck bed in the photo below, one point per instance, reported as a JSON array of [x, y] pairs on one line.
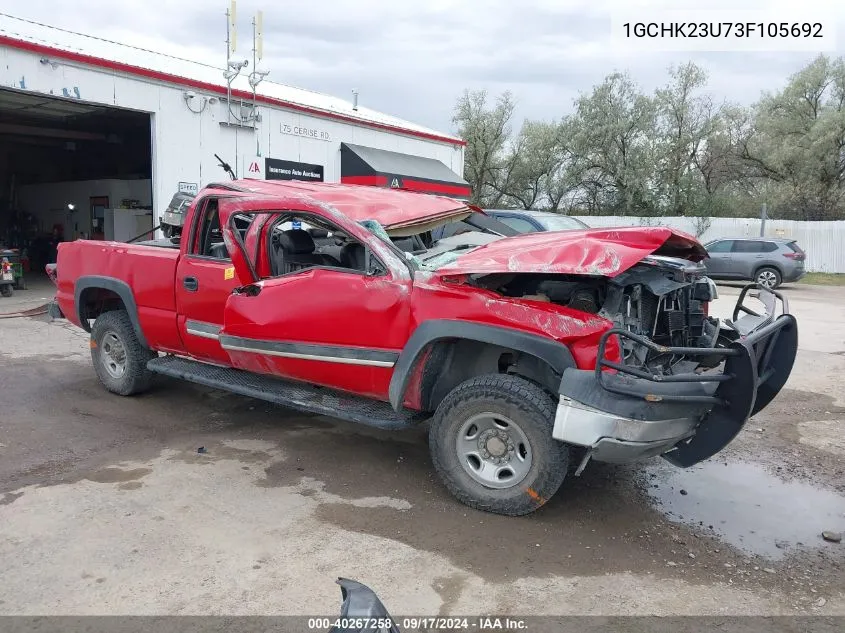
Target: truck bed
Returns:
[[161, 243], [146, 272]]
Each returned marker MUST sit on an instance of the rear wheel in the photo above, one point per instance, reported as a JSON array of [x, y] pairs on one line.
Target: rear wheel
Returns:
[[6, 290], [119, 358], [768, 277], [491, 444]]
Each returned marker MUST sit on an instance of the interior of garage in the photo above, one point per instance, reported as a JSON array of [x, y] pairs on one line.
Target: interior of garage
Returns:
[[68, 170]]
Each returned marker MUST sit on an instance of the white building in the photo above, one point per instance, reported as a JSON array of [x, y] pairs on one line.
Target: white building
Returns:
[[88, 127]]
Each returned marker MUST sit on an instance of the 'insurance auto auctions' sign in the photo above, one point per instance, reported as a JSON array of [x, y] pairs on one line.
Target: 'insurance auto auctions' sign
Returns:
[[276, 169]]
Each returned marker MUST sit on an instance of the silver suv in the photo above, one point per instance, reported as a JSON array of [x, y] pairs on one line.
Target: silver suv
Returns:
[[765, 260]]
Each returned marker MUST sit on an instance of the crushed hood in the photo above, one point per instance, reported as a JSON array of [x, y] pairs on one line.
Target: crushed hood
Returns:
[[607, 252]]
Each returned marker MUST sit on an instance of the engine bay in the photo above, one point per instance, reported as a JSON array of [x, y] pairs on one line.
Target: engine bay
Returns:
[[663, 299]]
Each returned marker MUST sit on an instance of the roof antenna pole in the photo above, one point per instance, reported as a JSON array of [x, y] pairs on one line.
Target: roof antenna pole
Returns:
[[233, 69], [254, 68], [231, 36], [256, 76]]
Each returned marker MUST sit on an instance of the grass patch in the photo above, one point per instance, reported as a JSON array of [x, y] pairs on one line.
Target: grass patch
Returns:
[[824, 279]]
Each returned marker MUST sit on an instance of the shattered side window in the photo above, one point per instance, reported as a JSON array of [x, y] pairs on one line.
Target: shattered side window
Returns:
[[377, 229]]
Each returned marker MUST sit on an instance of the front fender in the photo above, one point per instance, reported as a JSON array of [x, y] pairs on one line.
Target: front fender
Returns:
[[556, 354]]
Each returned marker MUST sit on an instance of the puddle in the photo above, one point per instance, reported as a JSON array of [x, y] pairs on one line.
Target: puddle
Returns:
[[748, 507]]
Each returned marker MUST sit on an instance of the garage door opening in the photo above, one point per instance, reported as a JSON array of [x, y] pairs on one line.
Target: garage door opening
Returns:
[[70, 170]]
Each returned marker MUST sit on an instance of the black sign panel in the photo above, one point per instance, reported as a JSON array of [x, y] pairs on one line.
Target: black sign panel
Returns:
[[276, 169]]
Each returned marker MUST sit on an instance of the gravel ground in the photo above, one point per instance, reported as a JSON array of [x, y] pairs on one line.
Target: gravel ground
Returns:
[[108, 508]]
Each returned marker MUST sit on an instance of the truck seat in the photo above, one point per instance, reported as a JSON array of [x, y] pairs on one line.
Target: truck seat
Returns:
[[219, 250], [295, 251], [352, 256]]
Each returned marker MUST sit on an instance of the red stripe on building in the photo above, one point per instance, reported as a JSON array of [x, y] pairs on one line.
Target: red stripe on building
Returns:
[[436, 187], [372, 181], [423, 186], [156, 75]]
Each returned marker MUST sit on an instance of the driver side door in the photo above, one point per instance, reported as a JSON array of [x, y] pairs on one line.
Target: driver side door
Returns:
[[324, 323]]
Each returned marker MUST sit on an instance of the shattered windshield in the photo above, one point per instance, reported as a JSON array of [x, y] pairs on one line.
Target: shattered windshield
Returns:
[[434, 260]]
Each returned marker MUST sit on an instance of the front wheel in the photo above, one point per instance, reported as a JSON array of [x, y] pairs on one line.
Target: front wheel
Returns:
[[491, 444], [6, 290], [119, 358]]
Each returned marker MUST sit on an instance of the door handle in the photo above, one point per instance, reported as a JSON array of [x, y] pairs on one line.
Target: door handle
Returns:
[[191, 283]]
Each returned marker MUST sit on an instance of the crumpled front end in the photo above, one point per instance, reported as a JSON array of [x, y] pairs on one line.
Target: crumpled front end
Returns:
[[627, 411]]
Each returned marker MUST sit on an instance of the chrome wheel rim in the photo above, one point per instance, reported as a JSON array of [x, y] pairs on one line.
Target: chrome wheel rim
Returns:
[[767, 279], [493, 450], [113, 356]]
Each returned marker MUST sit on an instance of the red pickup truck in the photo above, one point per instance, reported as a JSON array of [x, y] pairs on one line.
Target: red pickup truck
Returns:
[[529, 354]]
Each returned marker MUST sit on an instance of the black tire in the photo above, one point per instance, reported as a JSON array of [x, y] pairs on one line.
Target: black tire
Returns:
[[772, 277], [532, 410], [6, 290], [21, 284], [135, 377]]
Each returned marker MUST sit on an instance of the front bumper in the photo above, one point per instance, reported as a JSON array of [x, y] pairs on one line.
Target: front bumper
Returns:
[[628, 414], [617, 438]]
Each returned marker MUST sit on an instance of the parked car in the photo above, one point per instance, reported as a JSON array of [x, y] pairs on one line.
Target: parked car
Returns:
[[529, 355], [533, 221], [767, 261], [509, 222]]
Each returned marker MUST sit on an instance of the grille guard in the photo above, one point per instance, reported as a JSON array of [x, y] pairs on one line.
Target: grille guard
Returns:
[[757, 365]]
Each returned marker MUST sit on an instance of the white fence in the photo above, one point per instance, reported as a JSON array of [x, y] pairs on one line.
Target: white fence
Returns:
[[824, 242]]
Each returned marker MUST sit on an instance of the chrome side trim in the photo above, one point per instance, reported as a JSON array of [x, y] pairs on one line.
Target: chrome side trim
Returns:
[[203, 329], [327, 359], [311, 351]]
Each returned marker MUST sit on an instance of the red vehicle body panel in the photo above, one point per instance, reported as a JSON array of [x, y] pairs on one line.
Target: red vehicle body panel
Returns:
[[323, 307], [150, 272], [390, 207], [606, 252], [436, 299], [336, 309]]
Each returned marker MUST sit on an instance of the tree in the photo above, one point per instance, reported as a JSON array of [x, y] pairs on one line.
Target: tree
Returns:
[[677, 151], [684, 120], [564, 186], [534, 157], [730, 183], [800, 142], [486, 131], [613, 128]]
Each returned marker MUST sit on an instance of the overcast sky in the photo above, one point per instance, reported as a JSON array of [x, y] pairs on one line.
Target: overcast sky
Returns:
[[413, 58]]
